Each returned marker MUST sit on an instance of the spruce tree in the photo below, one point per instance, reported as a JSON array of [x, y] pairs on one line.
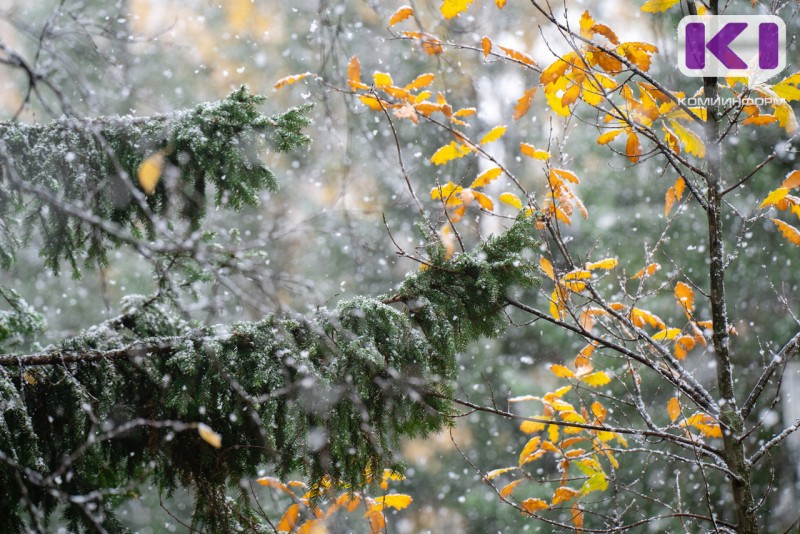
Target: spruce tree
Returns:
[[151, 396]]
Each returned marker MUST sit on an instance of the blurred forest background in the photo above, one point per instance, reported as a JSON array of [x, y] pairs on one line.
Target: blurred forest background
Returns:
[[323, 236]]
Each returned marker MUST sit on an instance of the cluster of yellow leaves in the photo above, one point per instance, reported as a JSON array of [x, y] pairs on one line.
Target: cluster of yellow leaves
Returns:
[[571, 282], [320, 502], [781, 94], [783, 201], [581, 448], [561, 200], [701, 421]]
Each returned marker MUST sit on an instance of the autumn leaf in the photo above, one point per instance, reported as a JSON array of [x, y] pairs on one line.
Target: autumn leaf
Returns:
[[674, 194], [534, 505], [400, 15], [529, 427], [609, 136], [606, 264], [691, 141], [372, 103], [289, 80], [289, 519], [683, 345], [398, 501], [788, 231], [486, 177], [508, 489], [524, 102], [561, 372], [667, 333], [209, 436], [486, 46], [423, 80], [149, 172], [596, 379], [547, 268], [500, 3], [511, 199], [685, 296], [673, 408], [649, 270], [517, 55], [774, 197], [483, 201], [566, 175], [530, 447], [792, 180], [452, 8], [449, 152], [633, 149], [596, 482], [564, 494], [655, 6], [532, 152], [497, 472], [493, 135]]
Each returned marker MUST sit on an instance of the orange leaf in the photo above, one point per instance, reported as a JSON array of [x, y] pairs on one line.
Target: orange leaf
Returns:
[[524, 103], [500, 3], [530, 447], [289, 80], [519, 56], [486, 45], [289, 519], [547, 267], [354, 74], [563, 494], [673, 408], [685, 295], [534, 505], [484, 201], [792, 180], [647, 271], [632, 148], [423, 80], [400, 15], [486, 178], [508, 489], [791, 233]]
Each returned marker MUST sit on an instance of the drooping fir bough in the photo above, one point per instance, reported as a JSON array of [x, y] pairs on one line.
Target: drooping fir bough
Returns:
[[327, 395]]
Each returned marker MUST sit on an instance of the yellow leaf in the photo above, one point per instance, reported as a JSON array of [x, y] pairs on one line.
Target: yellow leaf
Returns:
[[586, 23], [508, 489], [596, 482], [578, 274], [398, 501], [655, 6], [606, 264], [530, 447], [423, 80], [289, 519], [372, 103], [596, 379], [667, 333], [149, 172], [524, 102], [493, 135], [674, 193], [791, 233], [561, 372], [452, 8], [289, 80], [377, 522], [673, 408], [466, 112], [599, 411], [209, 436], [564, 494], [486, 177], [774, 197], [685, 296], [500, 3], [547, 268], [552, 433], [566, 175], [529, 427], [484, 201], [382, 79], [486, 45], [792, 180], [445, 191], [497, 472], [534, 505], [786, 117], [532, 152], [449, 152], [633, 149], [400, 15], [511, 199], [608, 136]]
